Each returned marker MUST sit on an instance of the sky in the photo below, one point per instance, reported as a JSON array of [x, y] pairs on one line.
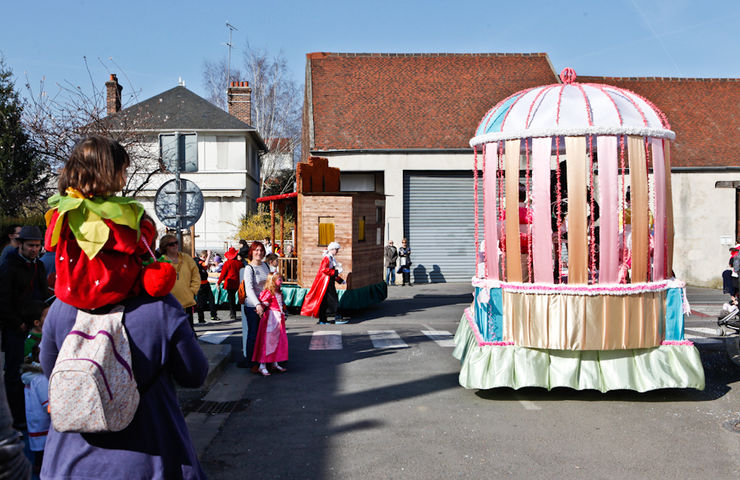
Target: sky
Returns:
[[151, 44]]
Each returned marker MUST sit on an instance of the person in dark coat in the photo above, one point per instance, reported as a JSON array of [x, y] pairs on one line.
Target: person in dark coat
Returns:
[[22, 280]]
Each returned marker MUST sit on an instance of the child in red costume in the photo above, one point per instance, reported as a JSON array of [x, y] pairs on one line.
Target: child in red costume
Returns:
[[96, 236]]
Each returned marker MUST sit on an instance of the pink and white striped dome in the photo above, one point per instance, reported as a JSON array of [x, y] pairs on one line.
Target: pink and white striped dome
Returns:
[[572, 109]]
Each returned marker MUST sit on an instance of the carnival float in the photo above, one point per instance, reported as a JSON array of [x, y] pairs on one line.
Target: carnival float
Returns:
[[325, 213], [574, 287]]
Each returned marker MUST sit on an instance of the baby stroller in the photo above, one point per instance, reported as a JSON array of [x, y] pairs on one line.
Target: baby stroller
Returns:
[[729, 322]]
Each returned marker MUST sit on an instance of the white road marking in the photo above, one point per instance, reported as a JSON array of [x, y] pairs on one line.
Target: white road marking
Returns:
[[529, 405], [386, 339], [326, 340], [441, 337], [216, 336], [704, 330]]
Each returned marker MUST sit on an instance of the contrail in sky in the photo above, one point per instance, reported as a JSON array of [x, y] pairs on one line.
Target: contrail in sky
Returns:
[[656, 36]]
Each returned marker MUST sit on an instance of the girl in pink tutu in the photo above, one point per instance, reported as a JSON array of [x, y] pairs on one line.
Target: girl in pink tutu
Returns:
[[272, 341]]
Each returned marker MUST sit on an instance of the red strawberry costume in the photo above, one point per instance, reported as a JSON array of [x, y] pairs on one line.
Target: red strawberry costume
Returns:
[[98, 248]]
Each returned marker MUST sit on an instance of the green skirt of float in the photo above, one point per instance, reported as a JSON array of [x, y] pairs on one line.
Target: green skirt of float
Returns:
[[487, 365]]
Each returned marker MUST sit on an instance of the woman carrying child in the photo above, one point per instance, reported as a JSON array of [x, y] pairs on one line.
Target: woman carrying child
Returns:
[[99, 239], [272, 340]]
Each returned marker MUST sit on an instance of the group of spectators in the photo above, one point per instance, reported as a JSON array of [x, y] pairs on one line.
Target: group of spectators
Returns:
[[94, 259], [402, 256]]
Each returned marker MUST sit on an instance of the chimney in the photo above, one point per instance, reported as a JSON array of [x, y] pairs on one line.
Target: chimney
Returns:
[[113, 94], [240, 101]]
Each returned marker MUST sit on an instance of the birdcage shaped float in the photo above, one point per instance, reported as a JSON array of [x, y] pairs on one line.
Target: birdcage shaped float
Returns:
[[574, 229]]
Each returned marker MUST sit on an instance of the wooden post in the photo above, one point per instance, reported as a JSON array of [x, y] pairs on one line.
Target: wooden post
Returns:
[[192, 240], [282, 227], [272, 221]]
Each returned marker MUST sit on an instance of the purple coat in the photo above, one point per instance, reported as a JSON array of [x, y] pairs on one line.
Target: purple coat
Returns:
[[156, 445]]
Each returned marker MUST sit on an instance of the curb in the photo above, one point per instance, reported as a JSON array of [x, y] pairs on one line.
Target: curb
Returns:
[[218, 358]]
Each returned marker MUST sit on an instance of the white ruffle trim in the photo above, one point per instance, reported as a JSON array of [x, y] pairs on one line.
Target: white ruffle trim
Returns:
[[572, 132]]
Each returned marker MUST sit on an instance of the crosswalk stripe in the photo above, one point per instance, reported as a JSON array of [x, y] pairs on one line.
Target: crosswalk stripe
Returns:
[[441, 337], [216, 336], [386, 339], [326, 340], [704, 330]]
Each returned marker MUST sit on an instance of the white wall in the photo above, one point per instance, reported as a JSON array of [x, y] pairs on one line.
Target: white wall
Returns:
[[702, 215], [227, 180]]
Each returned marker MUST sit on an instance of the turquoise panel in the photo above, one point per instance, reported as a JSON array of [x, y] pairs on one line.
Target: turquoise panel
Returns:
[[489, 316], [493, 122], [674, 314]]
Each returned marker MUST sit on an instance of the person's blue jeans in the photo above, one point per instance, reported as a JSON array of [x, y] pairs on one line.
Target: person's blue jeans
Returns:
[[390, 275], [250, 324]]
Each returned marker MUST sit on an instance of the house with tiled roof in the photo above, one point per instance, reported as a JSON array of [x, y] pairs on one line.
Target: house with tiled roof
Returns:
[[221, 151], [399, 124]]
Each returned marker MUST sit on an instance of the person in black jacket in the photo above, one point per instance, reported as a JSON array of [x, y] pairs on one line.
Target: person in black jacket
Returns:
[[22, 279]]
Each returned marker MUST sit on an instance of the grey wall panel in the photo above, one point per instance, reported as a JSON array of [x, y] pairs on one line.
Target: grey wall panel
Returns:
[[439, 224]]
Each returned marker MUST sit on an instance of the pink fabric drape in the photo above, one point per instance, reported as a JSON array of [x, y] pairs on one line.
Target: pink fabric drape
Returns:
[[660, 215], [490, 151], [541, 228], [608, 206]]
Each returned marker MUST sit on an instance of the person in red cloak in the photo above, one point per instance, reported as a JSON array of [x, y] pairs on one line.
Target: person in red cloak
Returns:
[[321, 299], [230, 279]]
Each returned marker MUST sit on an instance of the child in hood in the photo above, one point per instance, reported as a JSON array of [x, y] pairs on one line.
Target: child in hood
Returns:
[[96, 235]]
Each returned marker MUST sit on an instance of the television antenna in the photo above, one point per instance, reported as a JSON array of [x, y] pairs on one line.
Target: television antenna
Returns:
[[230, 45]]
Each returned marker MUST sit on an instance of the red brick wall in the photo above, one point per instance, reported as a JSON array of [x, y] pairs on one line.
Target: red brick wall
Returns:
[[363, 261], [310, 208], [367, 265]]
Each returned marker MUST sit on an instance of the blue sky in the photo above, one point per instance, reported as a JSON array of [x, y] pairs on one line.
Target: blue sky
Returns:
[[150, 44]]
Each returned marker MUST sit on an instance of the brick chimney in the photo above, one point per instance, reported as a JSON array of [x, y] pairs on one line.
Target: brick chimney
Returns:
[[113, 94], [240, 101]]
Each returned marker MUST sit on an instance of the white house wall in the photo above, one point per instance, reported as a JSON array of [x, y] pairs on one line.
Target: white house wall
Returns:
[[227, 180]]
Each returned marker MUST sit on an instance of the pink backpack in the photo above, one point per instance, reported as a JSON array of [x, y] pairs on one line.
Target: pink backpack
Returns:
[[92, 386]]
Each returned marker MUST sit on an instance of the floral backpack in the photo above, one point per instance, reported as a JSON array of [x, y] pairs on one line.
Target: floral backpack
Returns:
[[92, 386]]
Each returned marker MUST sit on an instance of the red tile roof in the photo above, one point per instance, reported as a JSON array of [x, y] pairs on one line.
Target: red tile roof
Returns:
[[386, 101], [704, 113], [358, 101]]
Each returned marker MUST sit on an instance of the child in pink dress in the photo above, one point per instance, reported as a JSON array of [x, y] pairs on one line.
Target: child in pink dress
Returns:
[[272, 341]]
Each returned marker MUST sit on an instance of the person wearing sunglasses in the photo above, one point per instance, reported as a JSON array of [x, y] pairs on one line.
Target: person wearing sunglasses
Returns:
[[188, 278]]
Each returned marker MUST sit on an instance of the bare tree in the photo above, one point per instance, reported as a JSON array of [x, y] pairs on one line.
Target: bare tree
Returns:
[[277, 103], [57, 119]]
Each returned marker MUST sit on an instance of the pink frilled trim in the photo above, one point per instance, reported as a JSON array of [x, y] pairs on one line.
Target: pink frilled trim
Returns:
[[477, 334], [676, 342], [568, 289]]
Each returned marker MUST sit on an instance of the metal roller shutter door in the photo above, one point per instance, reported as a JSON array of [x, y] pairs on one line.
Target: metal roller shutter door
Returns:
[[439, 224]]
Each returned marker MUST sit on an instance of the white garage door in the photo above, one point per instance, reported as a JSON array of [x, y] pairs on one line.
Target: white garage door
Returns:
[[439, 224]]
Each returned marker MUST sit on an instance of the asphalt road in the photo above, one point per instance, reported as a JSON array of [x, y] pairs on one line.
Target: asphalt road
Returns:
[[352, 409]]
